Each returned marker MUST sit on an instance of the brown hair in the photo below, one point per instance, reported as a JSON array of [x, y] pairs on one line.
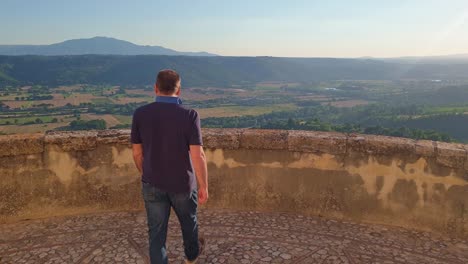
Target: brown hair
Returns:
[[168, 81]]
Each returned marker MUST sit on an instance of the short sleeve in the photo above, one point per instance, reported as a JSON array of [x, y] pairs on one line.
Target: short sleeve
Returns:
[[135, 134], [195, 135]]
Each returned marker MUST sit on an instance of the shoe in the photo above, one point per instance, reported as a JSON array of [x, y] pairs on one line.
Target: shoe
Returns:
[[202, 248]]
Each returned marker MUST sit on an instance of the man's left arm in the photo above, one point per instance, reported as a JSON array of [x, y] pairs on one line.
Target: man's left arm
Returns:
[[137, 146], [138, 156]]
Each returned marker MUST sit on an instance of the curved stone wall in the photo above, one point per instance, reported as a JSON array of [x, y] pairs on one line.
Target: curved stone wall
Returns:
[[396, 181]]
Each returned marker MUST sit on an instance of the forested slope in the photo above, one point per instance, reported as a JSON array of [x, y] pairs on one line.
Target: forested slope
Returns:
[[206, 71]]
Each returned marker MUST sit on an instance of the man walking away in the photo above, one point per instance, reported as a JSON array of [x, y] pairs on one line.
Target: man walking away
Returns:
[[167, 150]]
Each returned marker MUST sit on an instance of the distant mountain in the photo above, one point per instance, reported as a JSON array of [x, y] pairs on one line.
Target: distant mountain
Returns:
[[96, 45], [452, 58]]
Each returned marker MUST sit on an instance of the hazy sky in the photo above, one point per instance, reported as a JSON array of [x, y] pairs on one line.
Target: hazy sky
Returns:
[[298, 28]]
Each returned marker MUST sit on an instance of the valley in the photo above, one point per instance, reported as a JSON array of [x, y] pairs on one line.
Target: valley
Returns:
[[408, 108]]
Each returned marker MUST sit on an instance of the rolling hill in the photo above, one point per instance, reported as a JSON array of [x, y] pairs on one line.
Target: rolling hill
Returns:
[[217, 70], [96, 45]]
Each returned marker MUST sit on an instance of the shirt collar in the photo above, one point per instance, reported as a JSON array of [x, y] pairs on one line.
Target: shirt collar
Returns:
[[168, 99]]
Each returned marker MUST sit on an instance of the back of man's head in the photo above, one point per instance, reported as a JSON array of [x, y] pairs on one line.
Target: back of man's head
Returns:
[[168, 82]]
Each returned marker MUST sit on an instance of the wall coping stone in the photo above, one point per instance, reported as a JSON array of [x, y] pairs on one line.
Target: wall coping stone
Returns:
[[451, 155], [72, 140], [114, 136], [317, 142], [264, 139], [380, 145], [222, 138], [21, 144]]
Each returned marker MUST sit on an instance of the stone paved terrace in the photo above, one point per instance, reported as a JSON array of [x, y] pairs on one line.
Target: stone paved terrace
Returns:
[[313, 176], [232, 237]]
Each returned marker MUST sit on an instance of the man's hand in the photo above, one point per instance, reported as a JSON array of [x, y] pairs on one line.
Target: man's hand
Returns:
[[202, 195], [201, 171], [138, 156]]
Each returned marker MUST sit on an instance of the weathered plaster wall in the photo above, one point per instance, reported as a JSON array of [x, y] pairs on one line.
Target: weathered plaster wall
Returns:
[[395, 181], [63, 173]]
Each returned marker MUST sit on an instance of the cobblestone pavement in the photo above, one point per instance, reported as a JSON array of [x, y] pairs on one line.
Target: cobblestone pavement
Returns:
[[232, 237]]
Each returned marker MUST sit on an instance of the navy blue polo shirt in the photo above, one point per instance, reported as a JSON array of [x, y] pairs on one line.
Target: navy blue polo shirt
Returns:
[[166, 129]]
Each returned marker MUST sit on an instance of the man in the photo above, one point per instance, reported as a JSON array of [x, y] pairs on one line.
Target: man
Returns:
[[167, 150]]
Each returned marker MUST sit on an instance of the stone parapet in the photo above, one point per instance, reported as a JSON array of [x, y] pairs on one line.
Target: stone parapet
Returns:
[[446, 154], [412, 183]]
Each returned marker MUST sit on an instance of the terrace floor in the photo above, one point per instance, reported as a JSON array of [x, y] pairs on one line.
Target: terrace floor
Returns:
[[232, 237]]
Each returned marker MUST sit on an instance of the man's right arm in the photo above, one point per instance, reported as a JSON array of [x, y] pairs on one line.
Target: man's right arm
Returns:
[[201, 171]]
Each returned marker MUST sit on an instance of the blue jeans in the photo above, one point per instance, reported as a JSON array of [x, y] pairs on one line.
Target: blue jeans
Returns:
[[158, 208]]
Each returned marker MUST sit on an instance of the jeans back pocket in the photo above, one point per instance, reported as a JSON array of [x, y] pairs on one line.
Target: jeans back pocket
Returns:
[[151, 193]]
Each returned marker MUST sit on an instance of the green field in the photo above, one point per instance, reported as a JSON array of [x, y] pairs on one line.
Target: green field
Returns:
[[22, 120], [124, 119], [447, 109], [101, 101], [225, 111]]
